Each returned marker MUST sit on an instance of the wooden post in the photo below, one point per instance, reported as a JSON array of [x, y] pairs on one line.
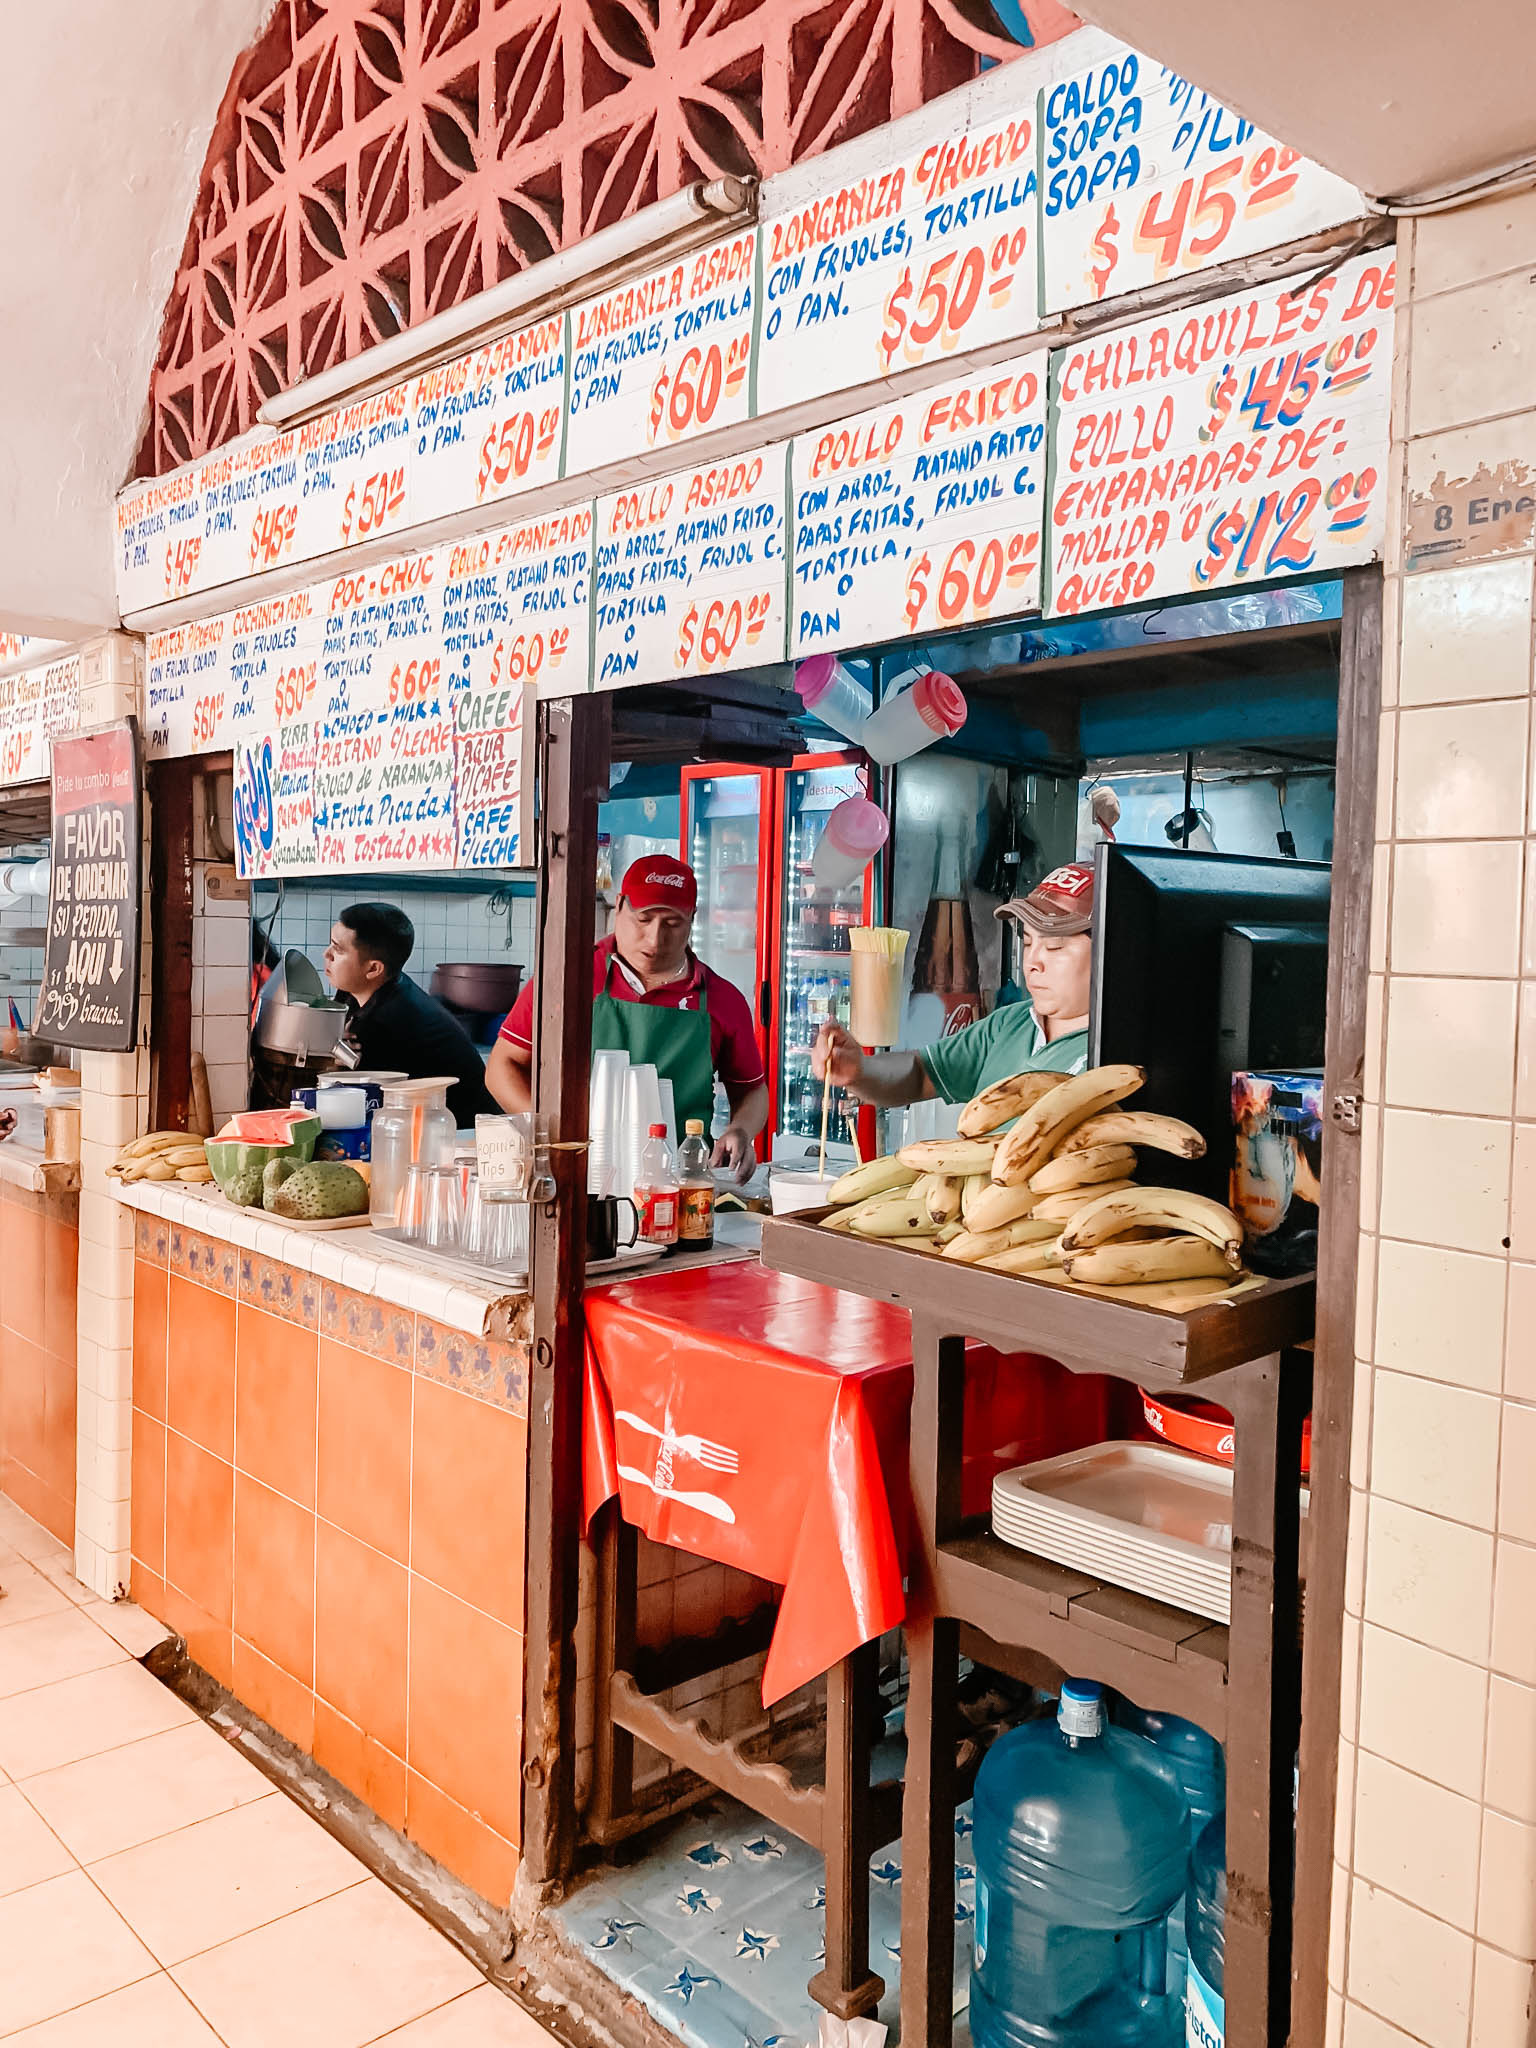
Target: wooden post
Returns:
[[173, 786], [573, 779]]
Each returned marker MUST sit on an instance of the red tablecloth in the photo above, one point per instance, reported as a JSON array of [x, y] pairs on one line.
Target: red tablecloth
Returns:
[[761, 1421]]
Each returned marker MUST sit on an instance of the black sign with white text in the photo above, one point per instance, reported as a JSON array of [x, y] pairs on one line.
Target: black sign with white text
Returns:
[[90, 992]]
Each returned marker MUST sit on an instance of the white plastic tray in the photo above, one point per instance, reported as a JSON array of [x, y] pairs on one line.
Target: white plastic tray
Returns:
[[1145, 1516]]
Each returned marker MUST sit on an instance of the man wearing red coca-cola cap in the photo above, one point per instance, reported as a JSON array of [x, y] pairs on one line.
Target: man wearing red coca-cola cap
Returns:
[[1046, 1032], [653, 998]]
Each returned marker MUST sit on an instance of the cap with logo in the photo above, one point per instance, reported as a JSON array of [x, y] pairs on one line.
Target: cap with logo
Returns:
[[656, 881], [1059, 907]]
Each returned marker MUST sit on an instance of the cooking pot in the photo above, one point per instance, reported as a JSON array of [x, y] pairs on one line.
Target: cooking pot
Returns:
[[477, 984]]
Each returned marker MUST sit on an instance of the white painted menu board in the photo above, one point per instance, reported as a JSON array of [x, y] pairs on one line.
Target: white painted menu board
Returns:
[[922, 516], [1144, 176], [1231, 443], [37, 705], [906, 263], [664, 358], [689, 576]]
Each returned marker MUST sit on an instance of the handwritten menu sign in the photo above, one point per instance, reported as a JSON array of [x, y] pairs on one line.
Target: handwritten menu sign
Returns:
[[690, 573], [20, 647], [490, 425], [90, 992], [922, 516], [907, 264], [664, 358], [1234, 442], [36, 706], [1145, 176]]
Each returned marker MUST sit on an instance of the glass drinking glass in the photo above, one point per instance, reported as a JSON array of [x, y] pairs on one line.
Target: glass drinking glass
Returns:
[[442, 1206]]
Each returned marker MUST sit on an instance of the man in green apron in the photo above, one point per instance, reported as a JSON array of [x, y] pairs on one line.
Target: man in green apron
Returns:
[[653, 998], [1048, 1031]]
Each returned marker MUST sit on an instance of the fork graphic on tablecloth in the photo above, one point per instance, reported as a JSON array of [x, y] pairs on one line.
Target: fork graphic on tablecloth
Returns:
[[669, 1445]]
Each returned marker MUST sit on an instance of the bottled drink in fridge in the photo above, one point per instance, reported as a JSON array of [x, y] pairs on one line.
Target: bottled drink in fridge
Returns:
[[1205, 1915], [656, 1190], [1082, 1848], [696, 1190]]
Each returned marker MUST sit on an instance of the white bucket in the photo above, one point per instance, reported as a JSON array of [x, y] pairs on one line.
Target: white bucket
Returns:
[[791, 1192]]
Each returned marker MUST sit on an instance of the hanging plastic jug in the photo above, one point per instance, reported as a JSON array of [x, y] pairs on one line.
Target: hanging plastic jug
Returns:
[[910, 718], [836, 697], [1082, 1848], [854, 833]]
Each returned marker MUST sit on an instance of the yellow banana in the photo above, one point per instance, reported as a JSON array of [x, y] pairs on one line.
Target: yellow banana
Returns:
[[1023, 1258], [842, 1219], [972, 1246], [1072, 1201], [899, 1218], [1170, 1294], [1112, 1214], [976, 1184], [1136, 1127], [151, 1142], [941, 1198], [1082, 1169], [196, 1176], [184, 1155], [1038, 1132], [1005, 1100], [957, 1157], [995, 1206], [1120, 1263], [158, 1169], [878, 1176]]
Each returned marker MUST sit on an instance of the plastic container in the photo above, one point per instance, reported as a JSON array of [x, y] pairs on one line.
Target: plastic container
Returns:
[[1082, 1848], [930, 708], [854, 833], [1198, 1766], [656, 1191], [837, 698], [696, 1184], [1205, 1913], [413, 1127]]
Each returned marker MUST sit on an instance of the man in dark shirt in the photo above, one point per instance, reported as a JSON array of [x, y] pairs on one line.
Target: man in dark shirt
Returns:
[[391, 1022]]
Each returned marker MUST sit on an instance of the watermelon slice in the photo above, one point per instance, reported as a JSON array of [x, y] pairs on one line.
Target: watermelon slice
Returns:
[[263, 1126]]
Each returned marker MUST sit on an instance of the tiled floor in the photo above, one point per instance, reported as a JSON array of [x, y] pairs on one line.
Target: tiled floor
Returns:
[[156, 1889]]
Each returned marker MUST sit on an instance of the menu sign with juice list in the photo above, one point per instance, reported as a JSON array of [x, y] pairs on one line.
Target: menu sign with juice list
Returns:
[[90, 992], [1229, 444]]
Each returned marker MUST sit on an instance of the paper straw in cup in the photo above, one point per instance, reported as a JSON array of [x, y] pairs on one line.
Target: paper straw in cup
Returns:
[[876, 983]]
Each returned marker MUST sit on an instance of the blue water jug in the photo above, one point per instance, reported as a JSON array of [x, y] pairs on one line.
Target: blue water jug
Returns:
[[1205, 1917], [1199, 1767], [1081, 1840]]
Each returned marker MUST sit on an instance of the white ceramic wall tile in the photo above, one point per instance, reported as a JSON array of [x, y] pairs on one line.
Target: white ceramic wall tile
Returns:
[[1451, 1044], [1503, 2000], [1445, 1180], [1360, 1430], [1507, 1903], [1525, 1051], [1461, 771], [1456, 908], [1435, 1447], [1466, 633], [1520, 1341], [1429, 1579], [1514, 1606], [1522, 1204], [1423, 1709], [1440, 1314], [1510, 1779], [1409, 1968], [1473, 242], [1467, 364], [1417, 1839], [1517, 1475]]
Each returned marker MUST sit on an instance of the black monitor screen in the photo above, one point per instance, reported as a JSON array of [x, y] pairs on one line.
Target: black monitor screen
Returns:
[[1163, 920]]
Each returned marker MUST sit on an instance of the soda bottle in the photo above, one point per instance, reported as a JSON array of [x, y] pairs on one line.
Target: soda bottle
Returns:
[[696, 1187], [656, 1191]]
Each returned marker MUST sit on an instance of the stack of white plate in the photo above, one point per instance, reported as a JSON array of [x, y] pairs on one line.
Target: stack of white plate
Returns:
[[1153, 1519]]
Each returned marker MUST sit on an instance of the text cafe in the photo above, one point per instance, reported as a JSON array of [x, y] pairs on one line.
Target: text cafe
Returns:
[[758, 893]]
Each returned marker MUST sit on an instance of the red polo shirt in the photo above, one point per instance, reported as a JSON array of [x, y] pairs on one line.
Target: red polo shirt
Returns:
[[732, 1040]]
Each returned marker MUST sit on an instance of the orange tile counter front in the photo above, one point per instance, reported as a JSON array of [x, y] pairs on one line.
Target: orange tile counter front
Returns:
[[39, 1264], [328, 1504]]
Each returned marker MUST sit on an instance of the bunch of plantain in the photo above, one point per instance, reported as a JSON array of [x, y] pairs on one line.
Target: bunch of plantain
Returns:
[[163, 1155], [1005, 1100], [1162, 1247], [1041, 1129]]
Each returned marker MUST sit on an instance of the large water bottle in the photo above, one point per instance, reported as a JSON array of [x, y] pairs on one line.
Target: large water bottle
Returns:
[[1205, 1913], [1082, 1848], [1198, 1766]]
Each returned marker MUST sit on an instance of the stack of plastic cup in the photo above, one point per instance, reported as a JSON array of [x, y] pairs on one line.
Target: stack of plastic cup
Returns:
[[912, 717], [668, 1113], [605, 1121], [642, 1108], [854, 833]]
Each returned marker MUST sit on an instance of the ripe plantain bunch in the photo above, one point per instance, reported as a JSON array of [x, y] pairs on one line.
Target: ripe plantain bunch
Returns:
[[163, 1155], [1054, 1196]]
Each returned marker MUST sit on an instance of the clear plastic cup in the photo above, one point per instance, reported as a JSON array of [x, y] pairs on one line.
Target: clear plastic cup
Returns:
[[908, 720], [854, 833], [442, 1206], [837, 698]]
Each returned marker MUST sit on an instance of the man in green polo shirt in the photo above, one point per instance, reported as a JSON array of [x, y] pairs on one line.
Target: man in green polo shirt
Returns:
[[1047, 1032]]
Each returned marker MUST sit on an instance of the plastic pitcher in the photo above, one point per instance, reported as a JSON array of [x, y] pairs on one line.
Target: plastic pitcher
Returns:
[[1205, 1914], [1082, 1848], [913, 717], [1199, 1768], [414, 1127], [853, 834], [837, 698]]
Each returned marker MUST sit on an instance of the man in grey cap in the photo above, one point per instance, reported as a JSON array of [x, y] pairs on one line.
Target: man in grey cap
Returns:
[[1048, 1031]]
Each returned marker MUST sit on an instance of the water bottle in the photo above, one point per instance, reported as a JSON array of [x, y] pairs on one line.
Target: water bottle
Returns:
[[1082, 1848], [1205, 1914], [1199, 1768]]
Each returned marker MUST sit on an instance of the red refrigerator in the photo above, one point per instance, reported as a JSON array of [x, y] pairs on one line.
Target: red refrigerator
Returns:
[[750, 834]]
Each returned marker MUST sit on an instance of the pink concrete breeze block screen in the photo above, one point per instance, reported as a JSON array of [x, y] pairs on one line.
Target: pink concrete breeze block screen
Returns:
[[376, 161]]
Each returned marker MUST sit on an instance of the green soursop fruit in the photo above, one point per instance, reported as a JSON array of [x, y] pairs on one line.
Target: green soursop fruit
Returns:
[[273, 1174], [316, 1192]]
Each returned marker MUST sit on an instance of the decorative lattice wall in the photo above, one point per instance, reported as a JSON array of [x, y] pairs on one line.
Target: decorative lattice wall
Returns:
[[378, 160]]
